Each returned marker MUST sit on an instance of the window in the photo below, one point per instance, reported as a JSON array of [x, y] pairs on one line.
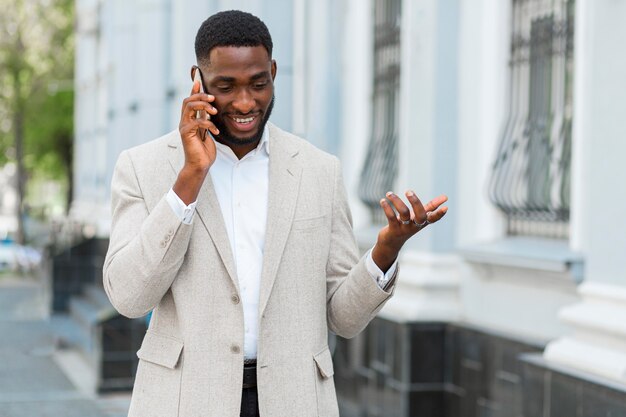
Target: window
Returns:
[[530, 181], [381, 163]]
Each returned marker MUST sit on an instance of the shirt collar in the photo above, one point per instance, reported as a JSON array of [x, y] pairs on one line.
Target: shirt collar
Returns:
[[264, 142]]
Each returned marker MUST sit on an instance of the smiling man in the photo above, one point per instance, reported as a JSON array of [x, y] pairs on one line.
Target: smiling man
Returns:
[[241, 243]]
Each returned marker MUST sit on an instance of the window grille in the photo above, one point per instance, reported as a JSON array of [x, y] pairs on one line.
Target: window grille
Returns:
[[380, 168], [530, 180]]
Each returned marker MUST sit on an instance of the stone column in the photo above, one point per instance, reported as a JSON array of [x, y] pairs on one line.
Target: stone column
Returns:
[[597, 343], [428, 283]]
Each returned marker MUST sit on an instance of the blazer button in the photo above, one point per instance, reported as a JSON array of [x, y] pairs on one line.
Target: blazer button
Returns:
[[235, 349], [163, 244], [235, 299]]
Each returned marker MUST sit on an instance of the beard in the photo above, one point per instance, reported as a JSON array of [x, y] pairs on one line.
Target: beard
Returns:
[[227, 138]]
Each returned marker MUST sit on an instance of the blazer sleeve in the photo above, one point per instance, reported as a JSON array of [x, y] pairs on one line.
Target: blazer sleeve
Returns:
[[146, 247], [353, 297]]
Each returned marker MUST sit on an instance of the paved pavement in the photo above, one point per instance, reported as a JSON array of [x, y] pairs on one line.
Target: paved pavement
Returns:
[[33, 382]]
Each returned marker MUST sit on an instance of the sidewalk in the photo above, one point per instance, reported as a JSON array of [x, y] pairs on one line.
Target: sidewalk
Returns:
[[32, 384]]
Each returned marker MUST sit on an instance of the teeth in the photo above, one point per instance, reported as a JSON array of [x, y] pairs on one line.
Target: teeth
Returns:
[[246, 120]]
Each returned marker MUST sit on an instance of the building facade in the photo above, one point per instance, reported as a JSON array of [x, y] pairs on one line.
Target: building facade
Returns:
[[513, 108]]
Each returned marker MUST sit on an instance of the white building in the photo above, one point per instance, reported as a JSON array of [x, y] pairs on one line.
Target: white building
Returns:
[[8, 201], [515, 103]]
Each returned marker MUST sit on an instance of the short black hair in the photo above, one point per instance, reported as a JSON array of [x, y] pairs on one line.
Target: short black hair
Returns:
[[231, 28]]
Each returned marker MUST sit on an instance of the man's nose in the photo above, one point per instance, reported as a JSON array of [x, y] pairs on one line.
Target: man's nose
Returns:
[[244, 102]]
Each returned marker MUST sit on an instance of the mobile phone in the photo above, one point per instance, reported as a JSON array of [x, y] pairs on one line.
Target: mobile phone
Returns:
[[200, 114]]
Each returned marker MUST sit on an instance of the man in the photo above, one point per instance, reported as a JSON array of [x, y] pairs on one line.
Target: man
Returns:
[[240, 241]]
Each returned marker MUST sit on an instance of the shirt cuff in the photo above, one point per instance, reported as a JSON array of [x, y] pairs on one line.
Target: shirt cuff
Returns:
[[184, 212], [382, 279]]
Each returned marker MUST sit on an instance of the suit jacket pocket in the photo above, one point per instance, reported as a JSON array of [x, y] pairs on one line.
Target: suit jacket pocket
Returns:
[[157, 385], [324, 362], [308, 223], [160, 349], [324, 384]]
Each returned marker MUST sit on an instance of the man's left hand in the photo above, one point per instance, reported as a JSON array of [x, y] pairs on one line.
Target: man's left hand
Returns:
[[401, 226]]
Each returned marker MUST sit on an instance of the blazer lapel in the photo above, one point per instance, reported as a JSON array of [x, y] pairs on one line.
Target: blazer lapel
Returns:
[[208, 211], [284, 182]]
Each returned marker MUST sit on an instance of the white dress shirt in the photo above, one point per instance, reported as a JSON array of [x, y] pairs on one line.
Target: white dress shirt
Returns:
[[241, 186]]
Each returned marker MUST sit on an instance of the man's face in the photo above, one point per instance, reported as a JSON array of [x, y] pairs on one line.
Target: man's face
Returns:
[[242, 81]]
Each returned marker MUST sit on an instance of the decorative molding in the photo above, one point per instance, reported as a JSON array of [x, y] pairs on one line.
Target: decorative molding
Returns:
[[533, 253], [518, 300], [427, 288], [598, 341]]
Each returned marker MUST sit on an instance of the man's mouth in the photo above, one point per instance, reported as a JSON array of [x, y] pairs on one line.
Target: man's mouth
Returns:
[[244, 123], [244, 120]]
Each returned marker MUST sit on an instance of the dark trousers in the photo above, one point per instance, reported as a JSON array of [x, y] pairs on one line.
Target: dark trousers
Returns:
[[249, 403]]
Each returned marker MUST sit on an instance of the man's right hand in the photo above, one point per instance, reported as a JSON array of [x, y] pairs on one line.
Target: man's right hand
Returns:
[[199, 151]]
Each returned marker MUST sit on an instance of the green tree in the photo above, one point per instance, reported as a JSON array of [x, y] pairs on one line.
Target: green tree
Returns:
[[36, 98]]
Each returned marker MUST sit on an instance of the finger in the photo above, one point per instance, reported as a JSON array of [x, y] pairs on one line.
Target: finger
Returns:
[[213, 129], [194, 124], [389, 213], [435, 216], [403, 211], [200, 97], [192, 107], [200, 102], [204, 124], [419, 211], [436, 202], [195, 98]]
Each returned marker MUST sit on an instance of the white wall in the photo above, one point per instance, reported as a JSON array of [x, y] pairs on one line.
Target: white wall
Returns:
[[483, 99], [429, 151], [599, 205], [356, 104]]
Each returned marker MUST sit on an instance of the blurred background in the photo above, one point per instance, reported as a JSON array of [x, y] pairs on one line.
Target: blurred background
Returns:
[[515, 305]]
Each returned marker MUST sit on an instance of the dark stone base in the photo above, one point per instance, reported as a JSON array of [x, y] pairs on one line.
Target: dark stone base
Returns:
[[452, 370], [555, 391], [74, 268], [392, 369], [120, 340]]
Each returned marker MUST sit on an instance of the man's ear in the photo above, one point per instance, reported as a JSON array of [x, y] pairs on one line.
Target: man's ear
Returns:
[[193, 71], [273, 70]]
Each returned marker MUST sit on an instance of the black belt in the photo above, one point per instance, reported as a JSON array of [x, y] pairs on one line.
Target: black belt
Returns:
[[249, 375]]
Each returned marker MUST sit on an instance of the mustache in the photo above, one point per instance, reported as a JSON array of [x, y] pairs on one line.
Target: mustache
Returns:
[[251, 113], [225, 135]]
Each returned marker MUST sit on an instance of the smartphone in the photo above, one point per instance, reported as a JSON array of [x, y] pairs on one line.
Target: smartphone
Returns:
[[200, 114]]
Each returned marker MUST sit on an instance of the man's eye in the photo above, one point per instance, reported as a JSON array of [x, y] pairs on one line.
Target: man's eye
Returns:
[[260, 85], [224, 88]]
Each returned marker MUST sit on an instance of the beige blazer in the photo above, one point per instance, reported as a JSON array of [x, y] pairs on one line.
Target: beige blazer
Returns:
[[191, 359]]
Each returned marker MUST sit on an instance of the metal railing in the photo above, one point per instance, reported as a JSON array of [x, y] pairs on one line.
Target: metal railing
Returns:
[[530, 180], [381, 163]]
